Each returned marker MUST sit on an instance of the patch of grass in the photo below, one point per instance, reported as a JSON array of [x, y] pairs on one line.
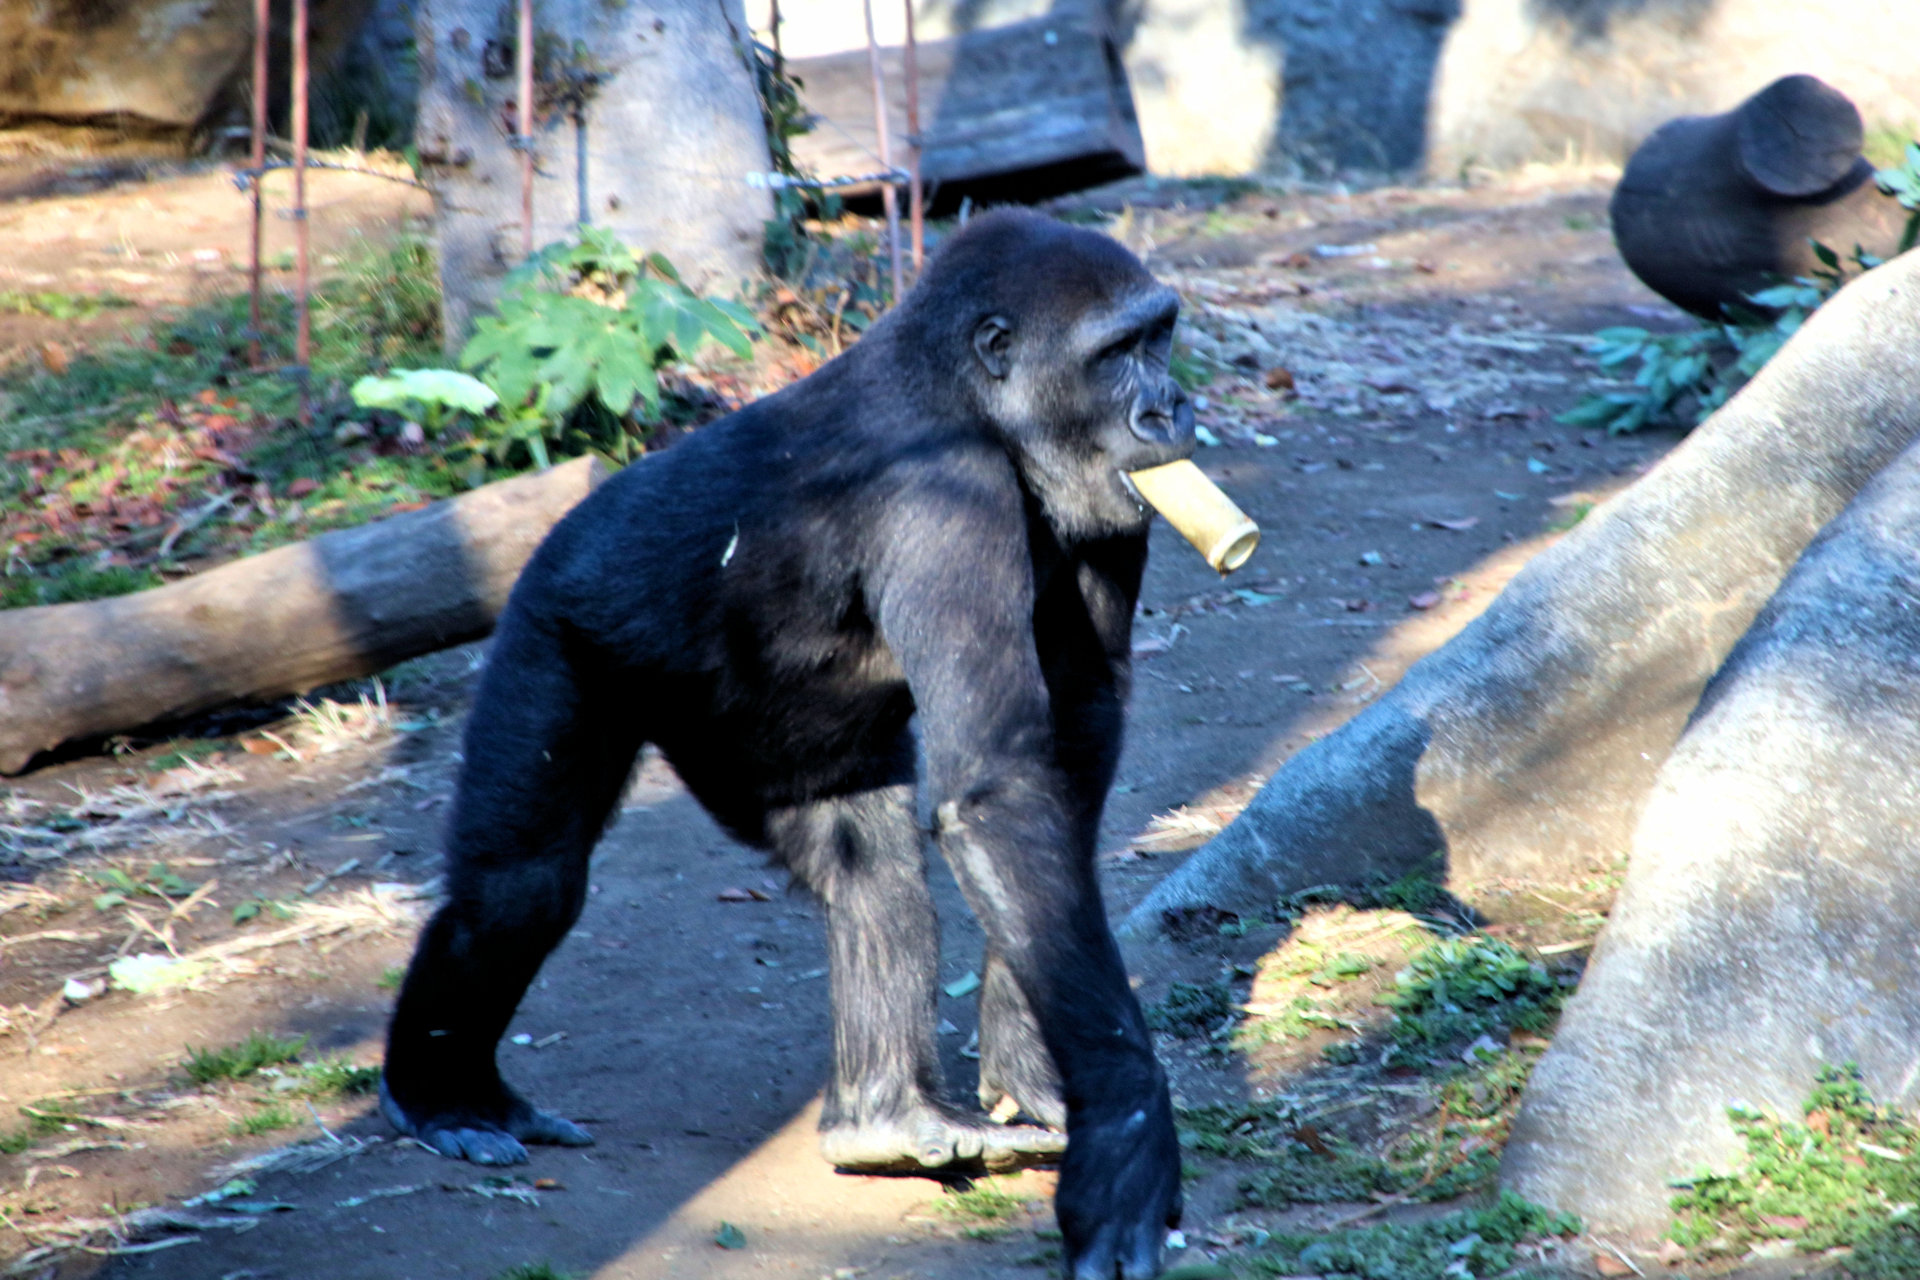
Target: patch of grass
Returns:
[[535, 1271], [337, 1078], [1846, 1174], [266, 1120], [1460, 988], [391, 977], [1192, 1010], [60, 306], [74, 584], [1187, 369], [985, 1211], [185, 751], [1296, 1020], [1479, 1242], [237, 1061]]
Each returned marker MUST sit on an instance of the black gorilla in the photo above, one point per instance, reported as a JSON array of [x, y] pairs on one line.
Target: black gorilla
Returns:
[[935, 524]]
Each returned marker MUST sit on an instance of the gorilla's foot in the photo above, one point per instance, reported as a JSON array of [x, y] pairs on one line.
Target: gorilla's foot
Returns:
[[1033, 1094], [489, 1135], [932, 1141]]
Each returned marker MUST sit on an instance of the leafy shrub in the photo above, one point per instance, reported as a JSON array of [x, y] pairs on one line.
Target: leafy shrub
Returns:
[[1192, 1009], [1847, 1174], [1479, 1242], [1460, 988], [580, 334]]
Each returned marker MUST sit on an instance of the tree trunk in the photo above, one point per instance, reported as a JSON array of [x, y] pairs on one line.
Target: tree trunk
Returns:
[[1765, 928], [1526, 745], [673, 133], [345, 604]]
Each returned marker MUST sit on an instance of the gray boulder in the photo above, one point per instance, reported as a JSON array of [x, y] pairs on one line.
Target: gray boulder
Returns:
[[1526, 746], [674, 134], [1768, 921]]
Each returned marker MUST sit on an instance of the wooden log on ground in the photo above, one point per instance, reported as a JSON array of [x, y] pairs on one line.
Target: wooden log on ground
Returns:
[[1024, 110], [345, 604]]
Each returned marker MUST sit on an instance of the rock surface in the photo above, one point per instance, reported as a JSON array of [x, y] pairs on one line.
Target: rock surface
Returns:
[[1766, 926], [673, 132], [1526, 746]]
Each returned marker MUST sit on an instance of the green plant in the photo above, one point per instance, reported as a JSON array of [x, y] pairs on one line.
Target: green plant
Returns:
[[1460, 988], [581, 332], [1847, 1173], [1902, 182], [985, 1209], [237, 1061], [336, 1077], [1702, 367], [1192, 1009], [265, 1120], [535, 1271], [1475, 1242], [60, 306]]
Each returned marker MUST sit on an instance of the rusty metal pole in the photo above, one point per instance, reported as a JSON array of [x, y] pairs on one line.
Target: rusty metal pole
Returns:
[[303, 326], [523, 56], [889, 199], [916, 194], [258, 160]]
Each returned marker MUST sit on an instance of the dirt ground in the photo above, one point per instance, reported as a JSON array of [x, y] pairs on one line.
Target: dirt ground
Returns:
[[1387, 367]]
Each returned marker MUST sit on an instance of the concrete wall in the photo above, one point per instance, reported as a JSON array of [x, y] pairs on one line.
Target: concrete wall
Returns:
[[1237, 86]]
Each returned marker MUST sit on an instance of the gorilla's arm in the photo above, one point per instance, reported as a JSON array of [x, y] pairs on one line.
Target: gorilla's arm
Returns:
[[954, 596]]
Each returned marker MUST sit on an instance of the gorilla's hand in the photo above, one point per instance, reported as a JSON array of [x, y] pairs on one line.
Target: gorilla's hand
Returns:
[[1119, 1190]]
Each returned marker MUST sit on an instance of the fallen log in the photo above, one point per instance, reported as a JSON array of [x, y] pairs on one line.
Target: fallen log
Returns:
[[1525, 747], [345, 604], [1765, 928]]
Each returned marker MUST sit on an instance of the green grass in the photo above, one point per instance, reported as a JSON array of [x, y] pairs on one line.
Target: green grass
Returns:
[[1461, 988], [336, 1077], [1482, 1239], [266, 1120], [1192, 1010], [391, 977], [985, 1211], [1846, 1174], [238, 1061]]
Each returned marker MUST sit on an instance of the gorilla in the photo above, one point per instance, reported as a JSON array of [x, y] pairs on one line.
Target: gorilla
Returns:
[[936, 526]]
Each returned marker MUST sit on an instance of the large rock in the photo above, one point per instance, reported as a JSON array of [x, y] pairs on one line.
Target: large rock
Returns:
[[1549, 80], [161, 64], [674, 134], [1767, 922], [1712, 209], [158, 61], [1526, 745]]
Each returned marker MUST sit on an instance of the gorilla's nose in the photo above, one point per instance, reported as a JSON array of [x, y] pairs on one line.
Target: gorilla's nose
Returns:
[[1166, 421]]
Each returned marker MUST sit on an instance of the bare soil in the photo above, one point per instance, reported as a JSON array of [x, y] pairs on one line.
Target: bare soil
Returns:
[[1386, 370]]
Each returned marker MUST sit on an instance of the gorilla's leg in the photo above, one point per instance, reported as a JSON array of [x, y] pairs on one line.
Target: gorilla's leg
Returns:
[[1014, 1062], [863, 854], [546, 756]]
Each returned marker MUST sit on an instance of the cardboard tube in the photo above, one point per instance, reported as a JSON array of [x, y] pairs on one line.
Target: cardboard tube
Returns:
[[1204, 516]]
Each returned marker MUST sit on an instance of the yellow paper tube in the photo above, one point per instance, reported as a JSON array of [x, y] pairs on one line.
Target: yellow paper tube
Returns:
[[1204, 516]]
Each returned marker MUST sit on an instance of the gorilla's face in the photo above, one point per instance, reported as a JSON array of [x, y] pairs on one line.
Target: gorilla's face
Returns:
[[1086, 396]]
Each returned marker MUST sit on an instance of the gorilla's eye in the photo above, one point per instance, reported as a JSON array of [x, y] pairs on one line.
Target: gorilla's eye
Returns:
[[1119, 350]]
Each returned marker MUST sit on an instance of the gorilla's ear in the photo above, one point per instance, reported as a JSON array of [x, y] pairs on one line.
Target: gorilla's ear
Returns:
[[992, 339]]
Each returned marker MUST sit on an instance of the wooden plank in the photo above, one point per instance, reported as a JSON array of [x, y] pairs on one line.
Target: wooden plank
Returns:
[[1034, 101]]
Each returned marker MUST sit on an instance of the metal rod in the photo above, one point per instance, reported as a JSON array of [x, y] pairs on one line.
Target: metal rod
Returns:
[[916, 193], [888, 197], [303, 326], [261, 22], [523, 56], [580, 161]]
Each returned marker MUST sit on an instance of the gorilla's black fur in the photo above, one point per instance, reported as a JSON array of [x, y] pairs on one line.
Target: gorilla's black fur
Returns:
[[935, 524]]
